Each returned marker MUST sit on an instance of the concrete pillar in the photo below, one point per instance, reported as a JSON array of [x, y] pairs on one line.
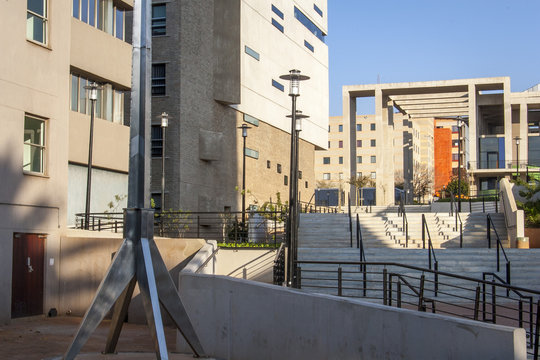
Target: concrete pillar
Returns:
[[473, 127], [507, 112], [349, 124], [385, 149], [407, 160], [523, 133]]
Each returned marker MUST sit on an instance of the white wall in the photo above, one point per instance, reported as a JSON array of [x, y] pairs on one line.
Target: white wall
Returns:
[[239, 319]]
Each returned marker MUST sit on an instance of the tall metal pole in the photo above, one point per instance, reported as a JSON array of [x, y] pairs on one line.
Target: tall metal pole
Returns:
[[244, 129], [89, 173], [517, 156], [459, 164], [164, 125]]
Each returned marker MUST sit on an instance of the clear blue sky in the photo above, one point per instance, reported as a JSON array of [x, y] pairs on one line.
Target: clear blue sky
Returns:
[[424, 40]]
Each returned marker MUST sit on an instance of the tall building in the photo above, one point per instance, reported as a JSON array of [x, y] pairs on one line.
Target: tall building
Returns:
[[51, 51], [216, 66]]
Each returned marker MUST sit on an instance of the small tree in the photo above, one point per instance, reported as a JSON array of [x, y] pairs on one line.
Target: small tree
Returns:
[[422, 180], [452, 187], [359, 182]]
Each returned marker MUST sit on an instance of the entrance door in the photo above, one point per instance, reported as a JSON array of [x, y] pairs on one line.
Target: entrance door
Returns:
[[27, 276]]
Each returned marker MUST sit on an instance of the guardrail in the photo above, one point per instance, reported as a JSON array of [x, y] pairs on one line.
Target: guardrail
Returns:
[[499, 247]]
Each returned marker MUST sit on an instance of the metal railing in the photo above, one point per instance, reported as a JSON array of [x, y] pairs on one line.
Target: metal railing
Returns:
[[499, 246], [405, 222], [308, 207], [100, 221], [425, 289], [431, 252], [279, 266], [458, 219], [350, 219]]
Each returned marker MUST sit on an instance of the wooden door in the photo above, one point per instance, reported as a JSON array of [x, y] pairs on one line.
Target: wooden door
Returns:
[[27, 275]]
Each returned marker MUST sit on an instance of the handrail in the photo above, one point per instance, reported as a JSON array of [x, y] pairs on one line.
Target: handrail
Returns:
[[420, 293], [213, 255], [430, 244], [405, 222], [458, 218], [350, 219], [359, 239], [499, 245]]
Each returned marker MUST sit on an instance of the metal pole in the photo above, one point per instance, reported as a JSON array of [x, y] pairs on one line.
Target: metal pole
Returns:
[[244, 184], [164, 129], [459, 164], [89, 173], [292, 189]]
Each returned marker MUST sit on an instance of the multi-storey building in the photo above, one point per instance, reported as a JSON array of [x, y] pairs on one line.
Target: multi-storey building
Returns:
[[216, 66], [51, 51]]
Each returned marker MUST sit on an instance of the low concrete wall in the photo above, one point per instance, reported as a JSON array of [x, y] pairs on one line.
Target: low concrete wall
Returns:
[[85, 257], [238, 319], [515, 219], [250, 264]]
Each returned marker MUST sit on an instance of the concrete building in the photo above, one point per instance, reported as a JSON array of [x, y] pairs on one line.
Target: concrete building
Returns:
[[51, 50], [496, 118], [216, 65]]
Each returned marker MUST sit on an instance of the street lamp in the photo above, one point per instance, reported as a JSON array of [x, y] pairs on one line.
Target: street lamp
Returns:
[[164, 125], [92, 89], [294, 78], [459, 122], [297, 129], [244, 128], [517, 138]]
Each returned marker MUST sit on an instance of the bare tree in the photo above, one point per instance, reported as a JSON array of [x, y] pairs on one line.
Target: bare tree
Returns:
[[399, 180], [422, 180], [359, 182]]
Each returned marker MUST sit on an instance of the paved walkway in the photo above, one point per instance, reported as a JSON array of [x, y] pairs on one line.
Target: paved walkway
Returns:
[[39, 338]]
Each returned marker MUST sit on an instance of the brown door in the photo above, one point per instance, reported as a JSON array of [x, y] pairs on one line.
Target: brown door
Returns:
[[27, 276]]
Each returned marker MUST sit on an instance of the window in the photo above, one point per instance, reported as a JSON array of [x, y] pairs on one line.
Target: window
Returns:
[[251, 120], [119, 23], [317, 10], [358, 174], [34, 145], [252, 153], [326, 160], [455, 157], [372, 126], [158, 79], [157, 141], [454, 129], [329, 144], [340, 128], [277, 85], [268, 164], [373, 175], [358, 159], [300, 174], [307, 184], [102, 14], [340, 144], [279, 168], [340, 176], [277, 25], [358, 143], [373, 142], [285, 180], [156, 197], [309, 24], [251, 52], [309, 46], [159, 19], [278, 12], [341, 160], [358, 127], [455, 143], [36, 21], [328, 128], [326, 176], [373, 159]]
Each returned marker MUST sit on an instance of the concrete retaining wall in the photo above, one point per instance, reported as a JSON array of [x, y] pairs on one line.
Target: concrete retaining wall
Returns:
[[238, 319], [515, 219], [250, 264]]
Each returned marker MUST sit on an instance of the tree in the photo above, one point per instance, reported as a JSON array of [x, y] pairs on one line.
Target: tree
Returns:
[[324, 184], [452, 186], [422, 180], [359, 182], [399, 180]]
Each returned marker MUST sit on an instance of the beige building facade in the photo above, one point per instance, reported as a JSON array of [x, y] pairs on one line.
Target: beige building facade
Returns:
[[50, 51]]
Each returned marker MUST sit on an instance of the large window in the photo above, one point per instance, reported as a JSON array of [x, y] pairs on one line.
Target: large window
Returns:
[[157, 141], [102, 14], [373, 159], [309, 24], [34, 145], [158, 79], [326, 160], [358, 143], [109, 104], [36, 21], [158, 19]]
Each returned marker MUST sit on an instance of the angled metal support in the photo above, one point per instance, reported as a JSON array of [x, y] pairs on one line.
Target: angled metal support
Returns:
[[138, 260]]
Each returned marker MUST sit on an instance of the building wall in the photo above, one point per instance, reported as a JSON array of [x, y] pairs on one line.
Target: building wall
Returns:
[[443, 157]]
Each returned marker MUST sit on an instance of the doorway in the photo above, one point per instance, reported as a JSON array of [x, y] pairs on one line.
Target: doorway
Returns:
[[27, 276]]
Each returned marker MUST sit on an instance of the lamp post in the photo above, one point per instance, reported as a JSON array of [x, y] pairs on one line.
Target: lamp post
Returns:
[[164, 125], [459, 163], [294, 78], [92, 95], [244, 128], [297, 129], [517, 138]]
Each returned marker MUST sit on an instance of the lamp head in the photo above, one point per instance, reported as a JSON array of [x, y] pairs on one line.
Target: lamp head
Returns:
[[164, 120]]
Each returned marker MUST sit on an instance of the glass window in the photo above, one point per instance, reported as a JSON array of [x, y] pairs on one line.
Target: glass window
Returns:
[[268, 164], [373, 159], [119, 24], [252, 153], [92, 12], [34, 145], [358, 143], [317, 10], [277, 25], [341, 159], [157, 141], [373, 175], [158, 79], [358, 174], [328, 128], [309, 24], [340, 128], [372, 126], [279, 168], [277, 85], [158, 19], [251, 52], [373, 142], [156, 197], [83, 93], [329, 144], [307, 184], [84, 11], [455, 157], [277, 12], [74, 92], [285, 180], [534, 150], [309, 46], [455, 143], [358, 159], [340, 175], [358, 127], [300, 174], [326, 160], [454, 129], [326, 176], [76, 9], [36, 20], [118, 107], [340, 144]]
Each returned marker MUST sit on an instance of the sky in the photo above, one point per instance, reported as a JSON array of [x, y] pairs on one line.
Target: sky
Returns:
[[419, 40]]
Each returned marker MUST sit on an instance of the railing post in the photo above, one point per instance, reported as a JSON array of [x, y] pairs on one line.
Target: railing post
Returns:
[[350, 219], [275, 229], [364, 279], [421, 294], [494, 301], [436, 278], [385, 284], [424, 234], [497, 203], [508, 277], [537, 330], [460, 235], [399, 294], [99, 225], [358, 232], [390, 290], [477, 302], [470, 204], [498, 258], [483, 298], [488, 232], [340, 280], [483, 203], [520, 312]]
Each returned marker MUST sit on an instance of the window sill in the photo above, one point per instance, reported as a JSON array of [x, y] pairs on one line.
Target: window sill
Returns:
[[39, 44], [160, 96], [160, 36], [30, 173]]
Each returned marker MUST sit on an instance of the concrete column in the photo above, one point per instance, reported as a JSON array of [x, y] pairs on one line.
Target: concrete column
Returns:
[[473, 127], [407, 160], [523, 133], [349, 124], [385, 149], [507, 111]]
